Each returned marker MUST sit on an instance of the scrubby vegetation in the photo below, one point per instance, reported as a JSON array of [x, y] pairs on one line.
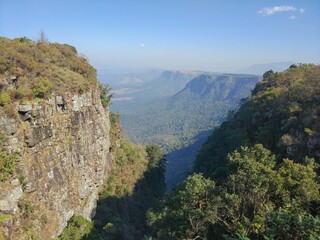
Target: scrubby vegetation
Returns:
[[34, 69], [7, 161], [258, 175]]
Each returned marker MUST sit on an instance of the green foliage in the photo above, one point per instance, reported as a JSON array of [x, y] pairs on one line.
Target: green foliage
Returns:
[[299, 183], [282, 114], [41, 87], [292, 222], [4, 97], [5, 217], [173, 122], [247, 192], [256, 199], [105, 94], [23, 40], [188, 211], [7, 165], [22, 180], [78, 228], [155, 155]]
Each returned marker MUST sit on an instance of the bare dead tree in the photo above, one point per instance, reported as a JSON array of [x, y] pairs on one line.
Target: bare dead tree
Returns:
[[42, 37]]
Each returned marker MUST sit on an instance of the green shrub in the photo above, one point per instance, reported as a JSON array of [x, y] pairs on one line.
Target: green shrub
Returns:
[[7, 165], [78, 228], [4, 98], [41, 87], [5, 217]]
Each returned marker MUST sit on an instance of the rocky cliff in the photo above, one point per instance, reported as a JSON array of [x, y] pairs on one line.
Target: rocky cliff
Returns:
[[60, 156], [63, 147]]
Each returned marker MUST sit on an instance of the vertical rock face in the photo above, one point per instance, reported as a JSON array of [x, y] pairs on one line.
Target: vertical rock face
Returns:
[[63, 148]]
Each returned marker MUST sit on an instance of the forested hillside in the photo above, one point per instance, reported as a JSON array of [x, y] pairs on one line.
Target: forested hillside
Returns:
[[282, 114], [181, 123], [200, 106], [136, 184], [257, 175]]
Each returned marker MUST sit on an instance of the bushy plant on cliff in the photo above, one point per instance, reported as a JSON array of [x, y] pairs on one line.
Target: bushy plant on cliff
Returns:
[[4, 97], [105, 94], [41, 87], [58, 63], [7, 161], [7, 165], [78, 228]]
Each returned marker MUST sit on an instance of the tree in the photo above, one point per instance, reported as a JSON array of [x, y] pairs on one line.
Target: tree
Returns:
[[42, 37], [246, 195], [188, 212], [105, 94]]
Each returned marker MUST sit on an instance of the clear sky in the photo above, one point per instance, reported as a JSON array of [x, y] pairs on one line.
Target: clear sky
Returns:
[[215, 35]]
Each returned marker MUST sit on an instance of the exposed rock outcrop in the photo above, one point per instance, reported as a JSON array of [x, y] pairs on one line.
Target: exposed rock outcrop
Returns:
[[63, 159]]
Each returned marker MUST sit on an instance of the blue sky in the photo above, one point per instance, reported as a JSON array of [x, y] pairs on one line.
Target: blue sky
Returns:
[[222, 35]]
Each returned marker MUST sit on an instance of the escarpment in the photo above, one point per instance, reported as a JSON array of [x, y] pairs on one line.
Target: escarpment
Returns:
[[54, 147]]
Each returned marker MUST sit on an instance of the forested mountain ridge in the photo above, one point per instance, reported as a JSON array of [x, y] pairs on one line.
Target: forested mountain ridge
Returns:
[[183, 121], [202, 105], [282, 114], [246, 190]]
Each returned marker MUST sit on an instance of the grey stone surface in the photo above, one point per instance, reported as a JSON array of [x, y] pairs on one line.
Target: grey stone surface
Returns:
[[25, 108], [8, 125], [64, 157], [9, 198]]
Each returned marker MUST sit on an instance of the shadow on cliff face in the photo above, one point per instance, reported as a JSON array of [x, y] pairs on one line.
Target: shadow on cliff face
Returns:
[[124, 217]]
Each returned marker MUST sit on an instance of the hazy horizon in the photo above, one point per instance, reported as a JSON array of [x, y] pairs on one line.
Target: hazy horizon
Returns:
[[218, 36]]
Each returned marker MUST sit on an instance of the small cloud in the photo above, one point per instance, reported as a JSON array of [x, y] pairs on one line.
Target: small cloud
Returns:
[[141, 44], [276, 9], [292, 17], [301, 10]]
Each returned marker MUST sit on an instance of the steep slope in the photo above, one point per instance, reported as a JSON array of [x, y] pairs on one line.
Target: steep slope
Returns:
[[246, 190], [54, 138], [282, 114], [136, 184]]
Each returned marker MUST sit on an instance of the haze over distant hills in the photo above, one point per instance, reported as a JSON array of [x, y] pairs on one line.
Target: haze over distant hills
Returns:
[[259, 69], [175, 109], [140, 88]]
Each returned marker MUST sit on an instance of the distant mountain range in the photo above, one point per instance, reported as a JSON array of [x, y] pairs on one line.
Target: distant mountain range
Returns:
[[178, 109], [139, 88], [260, 69]]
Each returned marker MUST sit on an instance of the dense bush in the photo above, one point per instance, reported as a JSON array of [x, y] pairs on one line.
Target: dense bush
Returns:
[[7, 165], [78, 228], [41, 87], [4, 97]]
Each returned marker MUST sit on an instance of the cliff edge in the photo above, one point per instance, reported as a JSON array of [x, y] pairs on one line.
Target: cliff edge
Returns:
[[55, 146]]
